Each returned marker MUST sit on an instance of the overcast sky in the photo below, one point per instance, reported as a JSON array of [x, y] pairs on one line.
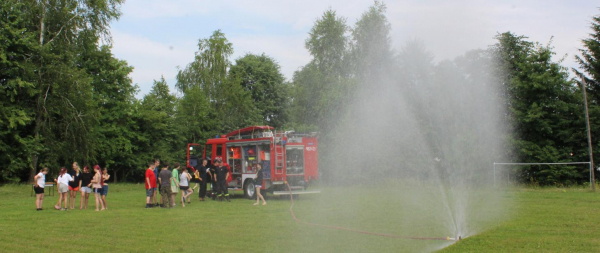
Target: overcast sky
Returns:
[[157, 36]]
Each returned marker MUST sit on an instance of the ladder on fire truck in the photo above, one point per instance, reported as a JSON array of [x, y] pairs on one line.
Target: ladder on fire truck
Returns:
[[279, 152]]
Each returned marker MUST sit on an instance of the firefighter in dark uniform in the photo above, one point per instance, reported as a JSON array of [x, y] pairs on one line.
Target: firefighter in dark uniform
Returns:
[[222, 173], [212, 172]]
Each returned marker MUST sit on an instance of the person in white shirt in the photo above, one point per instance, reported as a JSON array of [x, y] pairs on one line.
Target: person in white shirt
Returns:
[[40, 183], [63, 188]]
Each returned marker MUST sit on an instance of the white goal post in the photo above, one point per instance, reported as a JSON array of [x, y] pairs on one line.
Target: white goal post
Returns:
[[565, 163]]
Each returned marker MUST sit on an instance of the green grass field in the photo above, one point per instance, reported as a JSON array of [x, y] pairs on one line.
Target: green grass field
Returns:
[[540, 220]]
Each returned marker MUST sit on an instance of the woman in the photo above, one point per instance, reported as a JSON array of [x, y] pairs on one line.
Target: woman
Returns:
[[184, 185], [105, 177], [96, 184], [63, 188], [258, 179], [75, 184], [86, 179], [40, 183]]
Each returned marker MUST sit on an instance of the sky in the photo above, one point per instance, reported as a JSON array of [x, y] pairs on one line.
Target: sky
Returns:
[[157, 37]]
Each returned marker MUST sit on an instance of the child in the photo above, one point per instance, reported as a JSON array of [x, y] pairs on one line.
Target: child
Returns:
[[105, 177], [96, 184], [75, 184], [40, 183], [84, 185], [63, 188], [150, 184], [258, 180], [185, 186]]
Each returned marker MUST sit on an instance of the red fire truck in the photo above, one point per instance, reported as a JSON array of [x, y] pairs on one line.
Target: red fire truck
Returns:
[[285, 157]]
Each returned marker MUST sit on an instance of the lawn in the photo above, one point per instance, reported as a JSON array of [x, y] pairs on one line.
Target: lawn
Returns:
[[539, 220]]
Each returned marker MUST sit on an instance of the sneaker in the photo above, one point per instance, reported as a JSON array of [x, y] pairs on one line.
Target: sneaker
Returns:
[[63, 209]]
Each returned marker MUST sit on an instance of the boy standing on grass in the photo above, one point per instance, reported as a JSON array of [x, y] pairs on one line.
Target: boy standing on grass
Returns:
[[174, 182], [150, 185], [164, 177]]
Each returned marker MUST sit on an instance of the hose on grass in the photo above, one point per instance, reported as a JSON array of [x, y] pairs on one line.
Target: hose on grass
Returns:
[[360, 231]]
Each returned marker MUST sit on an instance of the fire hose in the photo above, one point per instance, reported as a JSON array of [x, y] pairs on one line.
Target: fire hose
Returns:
[[361, 231]]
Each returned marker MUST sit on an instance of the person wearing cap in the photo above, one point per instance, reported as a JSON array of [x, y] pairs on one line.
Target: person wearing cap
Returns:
[[222, 173]]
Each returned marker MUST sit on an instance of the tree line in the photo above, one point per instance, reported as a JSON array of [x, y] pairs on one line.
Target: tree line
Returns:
[[65, 97]]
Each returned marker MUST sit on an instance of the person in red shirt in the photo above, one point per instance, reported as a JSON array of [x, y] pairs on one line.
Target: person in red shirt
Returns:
[[150, 184]]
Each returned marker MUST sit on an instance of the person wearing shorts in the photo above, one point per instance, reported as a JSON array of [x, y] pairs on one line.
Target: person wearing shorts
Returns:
[[258, 180], [150, 184], [174, 182], [86, 179], [74, 185], [63, 188], [164, 178], [40, 183], [184, 185], [97, 187], [105, 177]]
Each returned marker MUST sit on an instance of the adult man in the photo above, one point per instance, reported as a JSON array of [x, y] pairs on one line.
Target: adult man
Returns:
[[175, 182], [164, 178], [150, 184], [212, 172], [202, 171], [222, 173], [156, 171]]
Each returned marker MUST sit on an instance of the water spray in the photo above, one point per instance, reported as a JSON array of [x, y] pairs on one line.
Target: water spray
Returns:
[[456, 238]]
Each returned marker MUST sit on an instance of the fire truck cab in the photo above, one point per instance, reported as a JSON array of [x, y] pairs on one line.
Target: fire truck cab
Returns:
[[285, 157]]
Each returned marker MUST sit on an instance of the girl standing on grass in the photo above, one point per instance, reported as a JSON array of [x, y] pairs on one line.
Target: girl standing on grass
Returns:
[[258, 180], [105, 177], [86, 179], [184, 185], [63, 188], [40, 183], [75, 184], [96, 184]]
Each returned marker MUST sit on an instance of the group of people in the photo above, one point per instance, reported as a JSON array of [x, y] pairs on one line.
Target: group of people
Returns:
[[70, 182], [169, 183]]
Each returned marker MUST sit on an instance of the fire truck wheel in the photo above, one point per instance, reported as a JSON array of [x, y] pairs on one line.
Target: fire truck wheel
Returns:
[[249, 189]]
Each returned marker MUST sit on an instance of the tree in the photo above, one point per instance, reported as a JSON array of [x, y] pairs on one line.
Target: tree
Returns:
[[60, 103], [261, 76], [589, 77], [17, 90], [371, 49], [209, 68], [327, 42], [545, 108], [232, 105]]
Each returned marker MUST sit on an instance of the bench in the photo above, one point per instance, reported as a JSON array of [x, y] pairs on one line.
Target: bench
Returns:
[[48, 185]]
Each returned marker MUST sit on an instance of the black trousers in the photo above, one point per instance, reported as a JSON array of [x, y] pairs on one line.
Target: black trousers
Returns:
[[222, 188], [202, 191]]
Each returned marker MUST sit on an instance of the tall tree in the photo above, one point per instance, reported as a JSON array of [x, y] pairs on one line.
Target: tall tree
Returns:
[[371, 45], [61, 104], [589, 77], [261, 76], [545, 108], [232, 105]]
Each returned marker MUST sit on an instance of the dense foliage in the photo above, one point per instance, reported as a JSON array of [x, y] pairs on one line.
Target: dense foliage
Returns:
[[64, 97]]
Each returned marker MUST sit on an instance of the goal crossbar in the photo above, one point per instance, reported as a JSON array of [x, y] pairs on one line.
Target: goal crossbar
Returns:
[[563, 163]]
